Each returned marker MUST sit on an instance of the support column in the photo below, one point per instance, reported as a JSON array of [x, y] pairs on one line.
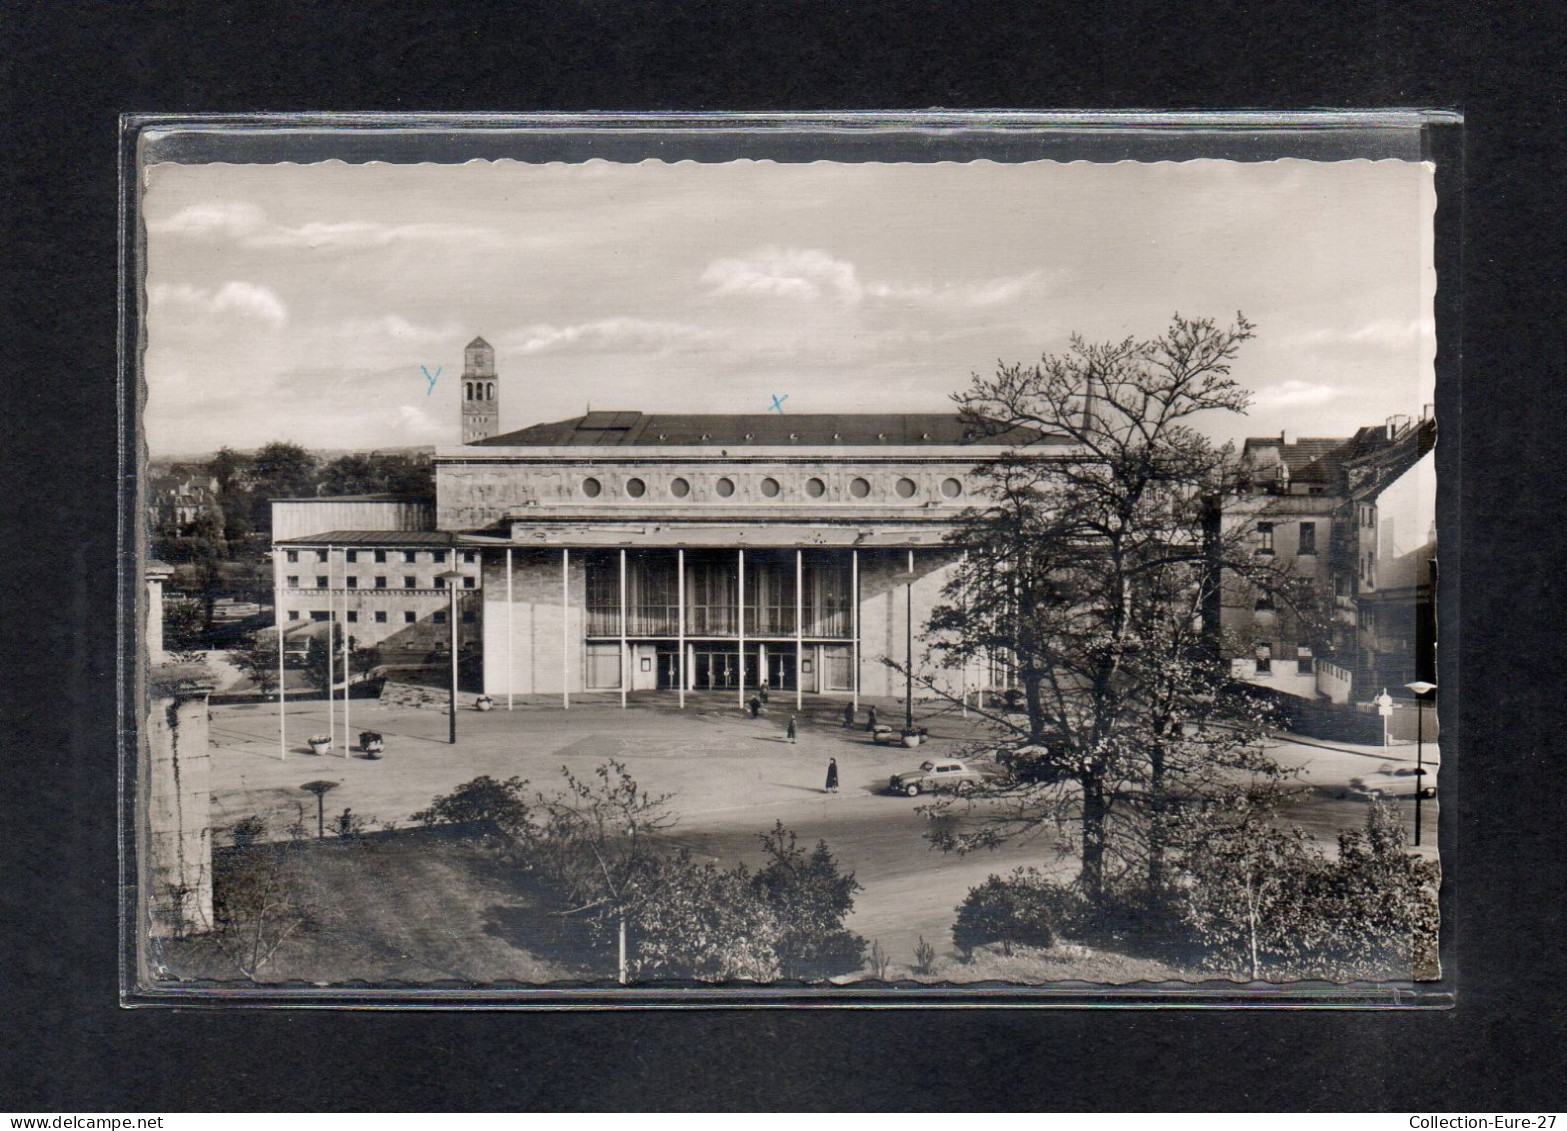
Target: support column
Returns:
[[624, 672], [799, 629], [347, 670], [331, 670], [282, 694], [740, 622], [680, 588], [565, 628], [511, 678], [854, 610]]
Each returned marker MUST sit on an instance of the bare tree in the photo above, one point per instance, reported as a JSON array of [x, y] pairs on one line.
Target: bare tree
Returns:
[[1092, 572]]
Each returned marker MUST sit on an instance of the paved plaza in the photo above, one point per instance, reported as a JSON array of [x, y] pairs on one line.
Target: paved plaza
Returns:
[[730, 778]]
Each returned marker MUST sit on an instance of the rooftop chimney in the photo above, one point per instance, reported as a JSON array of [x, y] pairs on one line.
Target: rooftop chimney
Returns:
[[1287, 436]]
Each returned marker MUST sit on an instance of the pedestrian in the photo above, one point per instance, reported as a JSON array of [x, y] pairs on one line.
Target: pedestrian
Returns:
[[870, 720], [848, 715], [832, 775], [755, 706], [763, 694], [791, 728]]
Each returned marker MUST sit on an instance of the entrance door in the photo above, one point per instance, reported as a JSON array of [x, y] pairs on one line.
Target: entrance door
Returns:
[[716, 670], [780, 669], [668, 669]]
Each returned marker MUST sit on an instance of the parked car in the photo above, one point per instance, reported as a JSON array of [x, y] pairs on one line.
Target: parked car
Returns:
[[936, 774], [1031, 763]]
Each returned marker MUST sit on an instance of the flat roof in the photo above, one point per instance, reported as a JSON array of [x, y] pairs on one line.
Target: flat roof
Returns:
[[372, 538]]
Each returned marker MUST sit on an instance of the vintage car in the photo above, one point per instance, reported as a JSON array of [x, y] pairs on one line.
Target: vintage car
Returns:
[[936, 774]]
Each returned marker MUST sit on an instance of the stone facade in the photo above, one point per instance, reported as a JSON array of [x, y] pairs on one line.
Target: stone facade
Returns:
[[174, 802]]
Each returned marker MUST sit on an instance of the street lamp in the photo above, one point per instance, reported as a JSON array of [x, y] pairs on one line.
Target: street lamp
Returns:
[[319, 788], [1421, 688], [450, 579]]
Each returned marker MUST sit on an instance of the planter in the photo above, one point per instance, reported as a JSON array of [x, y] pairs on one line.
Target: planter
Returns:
[[319, 743], [911, 739], [484, 703], [371, 743]]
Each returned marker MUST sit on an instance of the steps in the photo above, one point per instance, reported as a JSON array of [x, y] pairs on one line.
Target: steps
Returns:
[[418, 697]]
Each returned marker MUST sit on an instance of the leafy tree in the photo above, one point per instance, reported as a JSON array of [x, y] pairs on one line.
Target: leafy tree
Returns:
[[1091, 569], [226, 467], [811, 897], [361, 473], [183, 625], [280, 470], [258, 659], [482, 799], [1379, 903], [323, 670], [697, 921], [600, 848]]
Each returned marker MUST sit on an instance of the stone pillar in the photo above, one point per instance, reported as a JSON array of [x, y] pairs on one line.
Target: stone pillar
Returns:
[[174, 858], [156, 573]]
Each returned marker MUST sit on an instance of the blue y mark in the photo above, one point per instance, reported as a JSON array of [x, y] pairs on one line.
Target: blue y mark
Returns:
[[430, 377], [778, 403]]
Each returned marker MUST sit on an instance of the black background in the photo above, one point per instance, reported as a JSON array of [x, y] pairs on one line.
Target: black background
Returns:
[[70, 69]]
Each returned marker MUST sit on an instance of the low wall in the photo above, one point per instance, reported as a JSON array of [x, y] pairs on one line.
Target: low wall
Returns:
[[406, 695]]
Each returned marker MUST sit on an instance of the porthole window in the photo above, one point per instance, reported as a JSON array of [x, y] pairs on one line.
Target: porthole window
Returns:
[[770, 487], [952, 488], [725, 487], [906, 488], [679, 488], [859, 488], [815, 488], [636, 488], [591, 487]]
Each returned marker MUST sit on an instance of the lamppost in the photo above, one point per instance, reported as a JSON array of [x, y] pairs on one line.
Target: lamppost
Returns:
[[450, 579], [1421, 688], [319, 788]]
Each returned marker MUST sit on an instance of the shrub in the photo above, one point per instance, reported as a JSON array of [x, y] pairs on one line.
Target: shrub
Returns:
[[482, 799], [1380, 904], [247, 831], [811, 898], [696, 921], [1022, 909]]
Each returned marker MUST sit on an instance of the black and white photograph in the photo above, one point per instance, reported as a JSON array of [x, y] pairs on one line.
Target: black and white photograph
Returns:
[[830, 576]]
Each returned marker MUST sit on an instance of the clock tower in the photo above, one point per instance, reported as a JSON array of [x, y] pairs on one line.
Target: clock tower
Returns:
[[481, 413]]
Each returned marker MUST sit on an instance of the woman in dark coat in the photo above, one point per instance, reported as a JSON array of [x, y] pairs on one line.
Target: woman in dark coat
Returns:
[[870, 720], [791, 728], [832, 775]]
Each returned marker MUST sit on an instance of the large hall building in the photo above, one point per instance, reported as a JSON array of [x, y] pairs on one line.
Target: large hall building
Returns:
[[623, 551]]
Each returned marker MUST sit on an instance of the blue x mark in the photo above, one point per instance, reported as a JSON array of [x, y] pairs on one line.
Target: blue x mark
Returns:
[[778, 403]]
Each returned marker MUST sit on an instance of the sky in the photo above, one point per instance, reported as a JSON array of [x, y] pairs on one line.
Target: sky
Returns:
[[316, 303]]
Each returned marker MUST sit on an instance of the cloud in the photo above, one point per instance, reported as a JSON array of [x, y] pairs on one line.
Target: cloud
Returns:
[[418, 424], [985, 292], [1384, 333], [347, 235], [794, 273], [1294, 394], [396, 327], [245, 300], [231, 218], [604, 334]]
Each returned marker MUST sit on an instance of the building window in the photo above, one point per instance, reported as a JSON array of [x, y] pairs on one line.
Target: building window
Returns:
[[679, 487], [489, 390], [859, 488], [409, 616], [353, 617], [470, 556], [410, 557], [317, 614], [380, 583], [410, 582], [815, 488], [906, 488], [293, 555], [635, 488], [1265, 659], [380, 616], [321, 582], [952, 488], [1304, 660], [293, 581], [353, 583], [1308, 539], [467, 618], [1265, 537], [293, 614], [770, 487], [380, 556], [470, 582], [725, 487], [591, 487], [438, 556], [439, 618], [320, 555], [353, 555]]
